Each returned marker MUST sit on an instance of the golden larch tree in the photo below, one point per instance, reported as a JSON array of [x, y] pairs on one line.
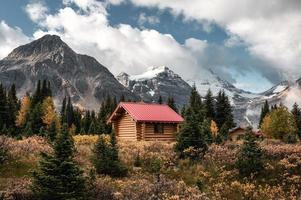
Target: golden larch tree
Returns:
[[213, 128], [23, 112], [49, 113]]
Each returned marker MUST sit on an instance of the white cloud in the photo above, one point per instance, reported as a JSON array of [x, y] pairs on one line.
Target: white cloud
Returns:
[[121, 48], [270, 29], [36, 11], [143, 19], [10, 38]]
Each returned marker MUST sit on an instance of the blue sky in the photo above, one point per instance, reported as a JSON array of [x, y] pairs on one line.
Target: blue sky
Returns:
[[219, 40]]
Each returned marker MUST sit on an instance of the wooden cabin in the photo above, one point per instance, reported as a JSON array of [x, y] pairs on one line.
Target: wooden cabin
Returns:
[[142, 121], [238, 133]]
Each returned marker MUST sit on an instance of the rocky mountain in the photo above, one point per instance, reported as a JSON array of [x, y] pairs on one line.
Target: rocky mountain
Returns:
[[246, 105], [80, 76], [157, 81]]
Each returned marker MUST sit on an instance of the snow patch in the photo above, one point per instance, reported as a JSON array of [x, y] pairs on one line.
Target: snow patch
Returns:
[[151, 72], [279, 88]]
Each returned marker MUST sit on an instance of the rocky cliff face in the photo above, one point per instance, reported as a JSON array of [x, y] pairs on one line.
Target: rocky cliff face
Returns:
[[80, 76], [157, 81]]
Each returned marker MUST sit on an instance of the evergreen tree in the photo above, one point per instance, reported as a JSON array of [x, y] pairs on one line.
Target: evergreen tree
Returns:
[[264, 111], [69, 113], [223, 134], [196, 105], [296, 111], [122, 98], [171, 104], [3, 107], [250, 157], [58, 176], [51, 132], [183, 110], [63, 111], [191, 140], [209, 105], [36, 98], [12, 108], [223, 111], [160, 100], [106, 160], [36, 118], [92, 128]]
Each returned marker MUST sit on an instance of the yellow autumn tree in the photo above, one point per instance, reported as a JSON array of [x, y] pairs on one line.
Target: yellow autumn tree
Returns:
[[213, 128], [279, 124], [23, 112], [49, 114]]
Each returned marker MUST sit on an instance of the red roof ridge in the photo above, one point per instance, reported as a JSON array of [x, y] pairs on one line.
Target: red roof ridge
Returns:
[[150, 112]]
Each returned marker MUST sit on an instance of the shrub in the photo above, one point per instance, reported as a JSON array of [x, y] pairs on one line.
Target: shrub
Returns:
[[250, 156], [106, 160], [3, 149]]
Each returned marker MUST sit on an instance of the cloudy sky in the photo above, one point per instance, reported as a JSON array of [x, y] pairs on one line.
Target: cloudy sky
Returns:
[[251, 43]]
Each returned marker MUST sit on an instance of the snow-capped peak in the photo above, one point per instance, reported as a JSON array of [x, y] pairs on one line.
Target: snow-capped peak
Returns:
[[151, 72]]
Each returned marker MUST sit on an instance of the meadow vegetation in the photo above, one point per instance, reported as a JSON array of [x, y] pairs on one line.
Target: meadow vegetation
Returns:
[[161, 174]]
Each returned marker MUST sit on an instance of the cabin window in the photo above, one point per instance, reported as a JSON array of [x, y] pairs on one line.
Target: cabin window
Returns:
[[158, 128]]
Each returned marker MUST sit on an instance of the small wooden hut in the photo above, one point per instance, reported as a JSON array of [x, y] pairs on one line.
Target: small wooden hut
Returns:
[[142, 121]]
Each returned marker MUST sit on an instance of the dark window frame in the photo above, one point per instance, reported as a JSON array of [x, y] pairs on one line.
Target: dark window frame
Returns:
[[159, 128]]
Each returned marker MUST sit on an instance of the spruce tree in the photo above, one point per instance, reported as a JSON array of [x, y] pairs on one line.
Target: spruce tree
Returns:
[[171, 104], [69, 113], [58, 176], [106, 160], [63, 111], [51, 132], [250, 156], [296, 111], [196, 105], [223, 111], [191, 140], [264, 111], [209, 105], [3, 107]]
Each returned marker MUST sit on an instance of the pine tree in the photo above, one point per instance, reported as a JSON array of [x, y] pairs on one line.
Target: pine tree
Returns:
[[92, 128], [196, 105], [52, 130], [63, 111], [250, 157], [106, 160], [191, 140], [36, 98], [209, 105], [264, 111], [223, 111], [58, 176], [36, 118], [122, 98], [160, 100], [171, 104], [223, 134], [12, 108], [69, 113], [3, 107], [296, 111]]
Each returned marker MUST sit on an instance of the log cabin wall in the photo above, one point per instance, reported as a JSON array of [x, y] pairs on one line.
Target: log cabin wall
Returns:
[[169, 133], [126, 127]]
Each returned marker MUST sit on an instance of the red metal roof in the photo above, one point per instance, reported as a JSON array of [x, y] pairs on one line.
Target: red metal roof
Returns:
[[149, 112]]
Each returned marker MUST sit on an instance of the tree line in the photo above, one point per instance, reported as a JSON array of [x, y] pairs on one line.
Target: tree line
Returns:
[[278, 122]]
